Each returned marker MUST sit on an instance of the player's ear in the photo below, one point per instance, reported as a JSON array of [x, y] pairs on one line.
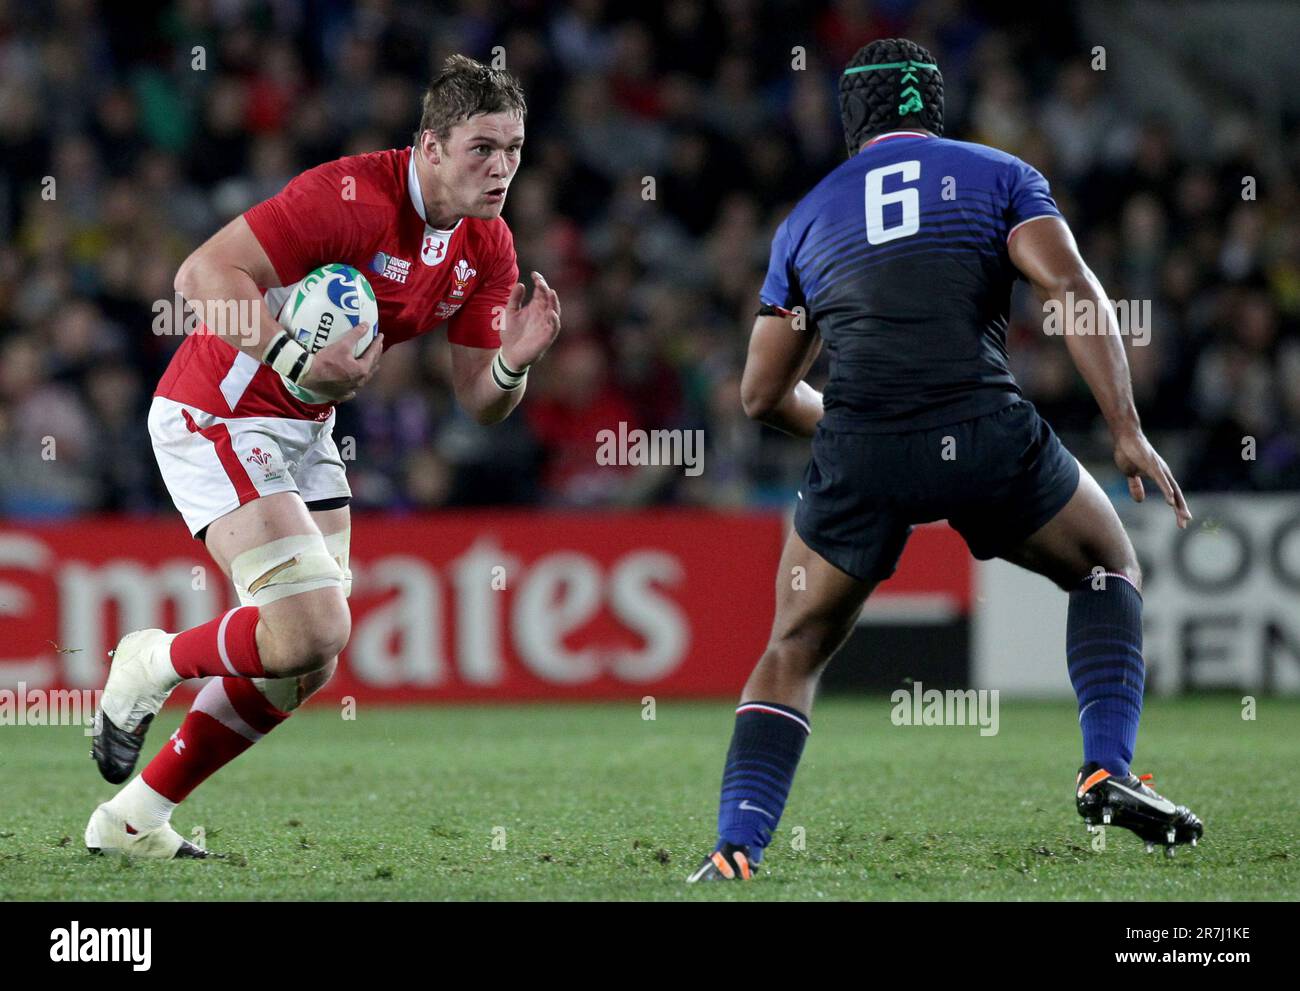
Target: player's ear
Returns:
[[429, 145]]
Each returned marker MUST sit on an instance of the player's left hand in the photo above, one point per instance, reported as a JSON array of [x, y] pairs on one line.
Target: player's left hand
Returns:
[[527, 331], [1135, 457]]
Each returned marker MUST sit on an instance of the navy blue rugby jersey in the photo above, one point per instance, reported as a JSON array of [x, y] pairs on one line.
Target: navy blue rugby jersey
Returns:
[[899, 257]]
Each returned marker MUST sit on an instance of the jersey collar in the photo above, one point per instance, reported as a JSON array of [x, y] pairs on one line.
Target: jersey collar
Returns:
[[898, 134], [417, 197]]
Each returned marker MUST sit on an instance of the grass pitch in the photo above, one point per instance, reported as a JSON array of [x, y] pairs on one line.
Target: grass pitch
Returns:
[[593, 802]]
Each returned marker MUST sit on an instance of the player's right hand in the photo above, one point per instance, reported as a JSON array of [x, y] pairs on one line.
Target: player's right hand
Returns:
[[1135, 457], [336, 373]]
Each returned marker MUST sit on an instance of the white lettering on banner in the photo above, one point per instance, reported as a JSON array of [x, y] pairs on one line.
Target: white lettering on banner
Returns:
[[478, 620], [402, 639], [140, 595], [1219, 604], [399, 643], [560, 594], [657, 618]]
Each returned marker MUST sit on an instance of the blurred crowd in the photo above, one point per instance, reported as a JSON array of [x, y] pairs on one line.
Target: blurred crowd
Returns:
[[665, 143]]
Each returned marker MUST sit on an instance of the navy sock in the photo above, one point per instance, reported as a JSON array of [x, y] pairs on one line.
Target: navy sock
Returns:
[[1103, 646], [765, 750]]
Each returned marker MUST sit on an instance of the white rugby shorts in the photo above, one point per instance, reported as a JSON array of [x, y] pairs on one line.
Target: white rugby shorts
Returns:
[[213, 465]]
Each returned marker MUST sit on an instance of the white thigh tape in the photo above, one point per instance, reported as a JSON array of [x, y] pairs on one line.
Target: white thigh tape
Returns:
[[339, 544], [289, 566]]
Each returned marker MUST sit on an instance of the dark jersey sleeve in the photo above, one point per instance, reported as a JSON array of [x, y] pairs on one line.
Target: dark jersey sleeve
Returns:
[[1030, 197], [781, 287]]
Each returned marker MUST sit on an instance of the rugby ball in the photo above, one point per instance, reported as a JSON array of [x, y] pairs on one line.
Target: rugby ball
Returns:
[[322, 307]]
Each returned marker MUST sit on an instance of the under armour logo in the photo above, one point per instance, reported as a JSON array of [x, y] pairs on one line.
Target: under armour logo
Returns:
[[177, 743], [433, 247]]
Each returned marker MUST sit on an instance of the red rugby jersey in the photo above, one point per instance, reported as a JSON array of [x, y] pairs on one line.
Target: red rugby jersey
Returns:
[[365, 211]]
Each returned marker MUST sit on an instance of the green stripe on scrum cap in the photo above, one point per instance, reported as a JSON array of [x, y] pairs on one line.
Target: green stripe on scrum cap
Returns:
[[890, 65]]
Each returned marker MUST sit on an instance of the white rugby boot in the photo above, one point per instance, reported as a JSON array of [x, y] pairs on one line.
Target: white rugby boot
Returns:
[[139, 680], [108, 832]]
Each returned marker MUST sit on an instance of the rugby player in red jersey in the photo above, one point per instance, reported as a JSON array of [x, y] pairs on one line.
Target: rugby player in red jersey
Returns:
[[254, 470]]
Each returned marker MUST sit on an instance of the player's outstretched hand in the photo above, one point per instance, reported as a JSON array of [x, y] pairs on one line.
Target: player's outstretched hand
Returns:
[[1135, 457], [336, 373], [527, 331]]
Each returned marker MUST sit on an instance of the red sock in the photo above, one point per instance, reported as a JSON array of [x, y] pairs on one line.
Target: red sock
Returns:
[[224, 646], [228, 716]]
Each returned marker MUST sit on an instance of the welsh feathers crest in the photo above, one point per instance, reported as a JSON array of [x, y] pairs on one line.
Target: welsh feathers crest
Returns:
[[461, 275]]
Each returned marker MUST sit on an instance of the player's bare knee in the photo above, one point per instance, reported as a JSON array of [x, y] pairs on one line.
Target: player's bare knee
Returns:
[[304, 641], [1122, 561], [796, 654], [322, 643]]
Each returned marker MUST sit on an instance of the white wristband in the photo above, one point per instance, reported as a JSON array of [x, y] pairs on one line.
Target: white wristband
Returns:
[[287, 357], [505, 377]]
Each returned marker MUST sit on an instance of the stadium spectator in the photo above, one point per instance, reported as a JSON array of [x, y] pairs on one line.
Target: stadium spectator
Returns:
[[664, 146]]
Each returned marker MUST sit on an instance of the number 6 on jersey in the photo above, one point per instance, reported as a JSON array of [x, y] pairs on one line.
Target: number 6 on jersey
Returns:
[[907, 197]]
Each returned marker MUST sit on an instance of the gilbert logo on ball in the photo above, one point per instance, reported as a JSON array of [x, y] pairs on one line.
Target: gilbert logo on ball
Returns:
[[322, 307]]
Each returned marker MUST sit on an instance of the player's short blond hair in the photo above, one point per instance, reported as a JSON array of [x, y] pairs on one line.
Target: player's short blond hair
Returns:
[[464, 89]]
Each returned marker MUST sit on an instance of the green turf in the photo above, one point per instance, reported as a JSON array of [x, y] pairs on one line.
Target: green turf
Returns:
[[597, 803]]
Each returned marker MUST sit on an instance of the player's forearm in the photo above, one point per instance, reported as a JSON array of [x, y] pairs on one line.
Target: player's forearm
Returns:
[[1099, 356], [797, 413], [228, 301], [487, 402]]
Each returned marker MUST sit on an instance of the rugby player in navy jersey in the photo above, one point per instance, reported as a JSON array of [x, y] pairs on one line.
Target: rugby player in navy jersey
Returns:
[[901, 261]]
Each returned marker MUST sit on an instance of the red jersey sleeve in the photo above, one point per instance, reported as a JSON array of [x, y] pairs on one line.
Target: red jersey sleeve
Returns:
[[308, 223], [475, 324]]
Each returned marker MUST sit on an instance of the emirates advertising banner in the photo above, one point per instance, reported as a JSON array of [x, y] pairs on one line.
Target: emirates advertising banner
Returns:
[[525, 606], [1221, 604], [454, 607]]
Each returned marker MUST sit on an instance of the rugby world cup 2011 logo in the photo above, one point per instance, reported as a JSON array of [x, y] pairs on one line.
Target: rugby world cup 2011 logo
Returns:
[[390, 267], [461, 275]]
